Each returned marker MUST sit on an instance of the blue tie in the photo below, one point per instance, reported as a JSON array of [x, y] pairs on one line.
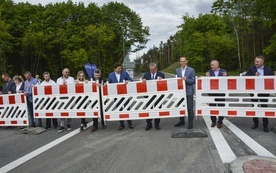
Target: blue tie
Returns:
[[152, 77]]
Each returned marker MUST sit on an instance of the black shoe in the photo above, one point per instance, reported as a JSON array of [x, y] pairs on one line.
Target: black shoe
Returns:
[[179, 124], [148, 127], [157, 127], [254, 126], [266, 129], [190, 127]]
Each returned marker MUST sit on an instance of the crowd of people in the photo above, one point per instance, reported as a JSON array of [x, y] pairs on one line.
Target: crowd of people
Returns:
[[187, 73]]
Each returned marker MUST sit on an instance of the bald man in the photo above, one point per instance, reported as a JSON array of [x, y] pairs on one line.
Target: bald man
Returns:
[[216, 71]]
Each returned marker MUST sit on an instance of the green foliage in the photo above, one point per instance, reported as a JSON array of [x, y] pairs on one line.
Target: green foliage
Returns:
[[67, 34]]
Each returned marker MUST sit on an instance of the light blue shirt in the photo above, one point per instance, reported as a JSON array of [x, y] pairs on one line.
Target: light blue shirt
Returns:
[[261, 71]]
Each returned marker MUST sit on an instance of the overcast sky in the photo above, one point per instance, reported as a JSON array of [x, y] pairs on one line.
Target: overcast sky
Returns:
[[162, 16]]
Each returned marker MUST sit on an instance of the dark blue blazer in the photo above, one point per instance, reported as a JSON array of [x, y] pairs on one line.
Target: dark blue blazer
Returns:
[[147, 75], [212, 73], [124, 76], [253, 69], [9, 86]]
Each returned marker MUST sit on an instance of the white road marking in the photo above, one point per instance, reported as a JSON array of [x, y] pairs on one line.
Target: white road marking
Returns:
[[40, 150], [251, 143], [225, 152]]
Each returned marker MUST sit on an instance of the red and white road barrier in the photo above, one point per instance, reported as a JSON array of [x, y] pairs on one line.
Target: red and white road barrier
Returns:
[[66, 101], [239, 96], [164, 98], [13, 110]]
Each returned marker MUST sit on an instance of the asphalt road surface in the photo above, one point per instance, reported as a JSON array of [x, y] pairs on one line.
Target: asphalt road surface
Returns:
[[134, 150]]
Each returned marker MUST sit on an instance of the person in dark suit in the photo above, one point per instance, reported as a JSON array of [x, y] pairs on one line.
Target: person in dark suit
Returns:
[[9, 85], [119, 76], [153, 74], [188, 75], [19, 83], [215, 72], [259, 69], [101, 81]]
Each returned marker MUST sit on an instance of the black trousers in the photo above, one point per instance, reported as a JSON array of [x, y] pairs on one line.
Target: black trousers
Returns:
[[48, 122], [156, 121], [190, 105], [265, 120]]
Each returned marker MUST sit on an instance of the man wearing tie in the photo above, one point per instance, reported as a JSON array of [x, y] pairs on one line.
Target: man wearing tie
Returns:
[[188, 75], [119, 76], [153, 74]]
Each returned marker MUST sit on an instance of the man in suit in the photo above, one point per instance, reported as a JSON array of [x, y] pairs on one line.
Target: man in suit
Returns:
[[215, 72], [28, 85], [188, 75], [9, 85], [119, 76], [260, 70], [97, 77], [153, 74]]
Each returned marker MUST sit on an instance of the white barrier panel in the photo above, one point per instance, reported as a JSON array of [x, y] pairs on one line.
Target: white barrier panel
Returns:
[[144, 100], [66, 101], [13, 110], [239, 96]]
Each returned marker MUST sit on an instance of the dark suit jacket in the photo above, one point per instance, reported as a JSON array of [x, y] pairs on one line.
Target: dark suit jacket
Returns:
[[190, 79], [253, 69], [10, 86], [212, 73], [113, 79], [147, 75]]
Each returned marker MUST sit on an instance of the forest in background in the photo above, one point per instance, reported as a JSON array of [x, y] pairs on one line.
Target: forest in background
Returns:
[[40, 38], [234, 33]]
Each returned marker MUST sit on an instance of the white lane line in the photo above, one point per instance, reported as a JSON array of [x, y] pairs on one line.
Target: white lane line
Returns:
[[225, 152], [251, 143], [40, 150]]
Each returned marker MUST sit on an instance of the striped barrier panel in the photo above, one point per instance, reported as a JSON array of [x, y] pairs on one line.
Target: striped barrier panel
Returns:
[[239, 96], [164, 98], [13, 110], [66, 101]]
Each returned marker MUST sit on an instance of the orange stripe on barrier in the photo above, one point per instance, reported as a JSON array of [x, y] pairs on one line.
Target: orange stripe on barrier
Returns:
[[80, 114], [63, 89], [182, 112], [23, 98], [49, 114], [121, 89], [167, 113], [270, 114], [269, 84], [25, 122], [1, 100], [214, 84], [180, 84], [199, 84], [162, 85], [105, 91], [2, 122], [199, 112], [48, 90], [94, 87], [232, 84], [124, 116], [12, 99], [250, 113], [64, 114], [250, 84], [14, 122], [214, 112], [96, 114], [232, 112], [35, 90], [79, 88], [107, 116], [36, 115], [141, 87], [141, 115]]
